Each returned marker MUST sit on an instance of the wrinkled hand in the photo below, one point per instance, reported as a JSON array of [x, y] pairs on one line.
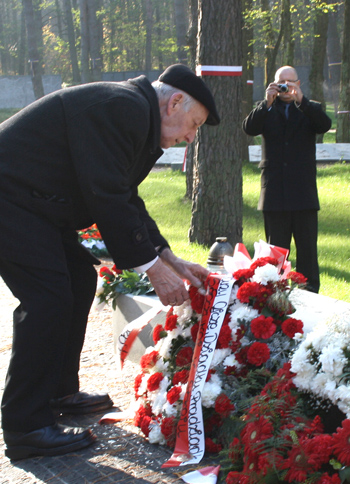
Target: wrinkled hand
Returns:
[[169, 286], [167, 276]]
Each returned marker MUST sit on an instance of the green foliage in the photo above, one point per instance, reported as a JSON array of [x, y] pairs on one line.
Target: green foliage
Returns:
[[126, 282]]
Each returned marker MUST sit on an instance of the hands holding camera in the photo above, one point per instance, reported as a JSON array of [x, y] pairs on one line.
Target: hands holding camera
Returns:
[[288, 91]]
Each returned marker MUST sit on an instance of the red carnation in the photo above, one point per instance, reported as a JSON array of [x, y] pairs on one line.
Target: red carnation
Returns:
[[154, 381], [262, 261], [224, 338], [243, 274], [181, 377], [262, 327], [184, 356], [171, 322], [145, 425], [137, 383], [158, 333], [173, 394], [149, 360], [247, 291], [292, 326], [168, 429], [258, 353], [194, 332], [197, 300], [117, 271], [141, 413], [223, 405], [211, 446], [297, 278]]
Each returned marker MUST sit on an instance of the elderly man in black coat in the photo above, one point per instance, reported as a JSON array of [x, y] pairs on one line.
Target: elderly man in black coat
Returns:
[[288, 123], [71, 159]]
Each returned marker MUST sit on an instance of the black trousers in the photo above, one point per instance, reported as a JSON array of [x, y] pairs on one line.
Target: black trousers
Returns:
[[281, 226], [48, 334]]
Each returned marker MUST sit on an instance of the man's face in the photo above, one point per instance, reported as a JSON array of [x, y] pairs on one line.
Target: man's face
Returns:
[[178, 125], [287, 76]]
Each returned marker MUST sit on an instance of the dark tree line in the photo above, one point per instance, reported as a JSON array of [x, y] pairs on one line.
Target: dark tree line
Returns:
[[81, 39]]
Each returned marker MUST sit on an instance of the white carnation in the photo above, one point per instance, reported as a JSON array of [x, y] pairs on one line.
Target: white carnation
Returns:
[[158, 397], [231, 361], [218, 356], [155, 435], [211, 391], [183, 312], [170, 410], [332, 360], [265, 274]]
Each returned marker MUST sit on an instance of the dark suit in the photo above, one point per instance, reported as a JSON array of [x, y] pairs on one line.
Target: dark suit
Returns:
[[288, 194], [72, 158]]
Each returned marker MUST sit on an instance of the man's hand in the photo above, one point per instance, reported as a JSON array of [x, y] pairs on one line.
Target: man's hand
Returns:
[[167, 276], [169, 287], [271, 93]]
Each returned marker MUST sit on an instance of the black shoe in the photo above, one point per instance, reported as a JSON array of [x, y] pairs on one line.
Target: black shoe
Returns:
[[80, 403], [48, 441]]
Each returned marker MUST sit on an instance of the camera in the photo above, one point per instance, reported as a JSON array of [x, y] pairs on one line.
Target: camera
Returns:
[[283, 88]]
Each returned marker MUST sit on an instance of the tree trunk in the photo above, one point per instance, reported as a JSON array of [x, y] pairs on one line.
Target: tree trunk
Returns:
[[247, 73], [21, 64], [192, 43], [84, 41], [159, 37], [181, 29], [316, 76], [343, 122], [148, 16], [94, 41], [71, 41], [288, 42], [35, 61], [334, 58], [270, 45], [217, 187]]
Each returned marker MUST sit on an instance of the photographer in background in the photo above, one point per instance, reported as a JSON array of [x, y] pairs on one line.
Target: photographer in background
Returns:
[[289, 123]]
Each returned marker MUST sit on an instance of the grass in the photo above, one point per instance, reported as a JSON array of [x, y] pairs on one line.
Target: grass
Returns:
[[163, 192]]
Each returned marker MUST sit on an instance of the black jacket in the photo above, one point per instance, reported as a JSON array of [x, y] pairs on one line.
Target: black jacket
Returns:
[[76, 157], [288, 159]]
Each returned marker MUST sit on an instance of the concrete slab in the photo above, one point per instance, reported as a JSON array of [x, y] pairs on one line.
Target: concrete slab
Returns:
[[325, 152]]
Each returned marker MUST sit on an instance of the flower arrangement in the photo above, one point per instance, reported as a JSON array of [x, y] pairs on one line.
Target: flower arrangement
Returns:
[[256, 338], [322, 362], [113, 282], [92, 240], [281, 440]]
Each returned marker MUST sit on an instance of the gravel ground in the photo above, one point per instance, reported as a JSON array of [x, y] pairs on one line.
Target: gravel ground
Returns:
[[121, 455]]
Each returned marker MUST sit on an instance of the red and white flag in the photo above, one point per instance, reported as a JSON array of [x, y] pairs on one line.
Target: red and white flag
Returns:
[[207, 475], [219, 70]]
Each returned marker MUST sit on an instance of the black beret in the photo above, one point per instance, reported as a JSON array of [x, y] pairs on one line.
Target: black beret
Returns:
[[184, 78]]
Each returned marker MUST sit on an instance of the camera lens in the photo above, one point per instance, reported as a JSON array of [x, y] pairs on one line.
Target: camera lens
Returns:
[[283, 88]]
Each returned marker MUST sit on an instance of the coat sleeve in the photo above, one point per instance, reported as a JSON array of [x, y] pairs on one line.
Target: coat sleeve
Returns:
[[254, 123], [106, 142], [319, 120]]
